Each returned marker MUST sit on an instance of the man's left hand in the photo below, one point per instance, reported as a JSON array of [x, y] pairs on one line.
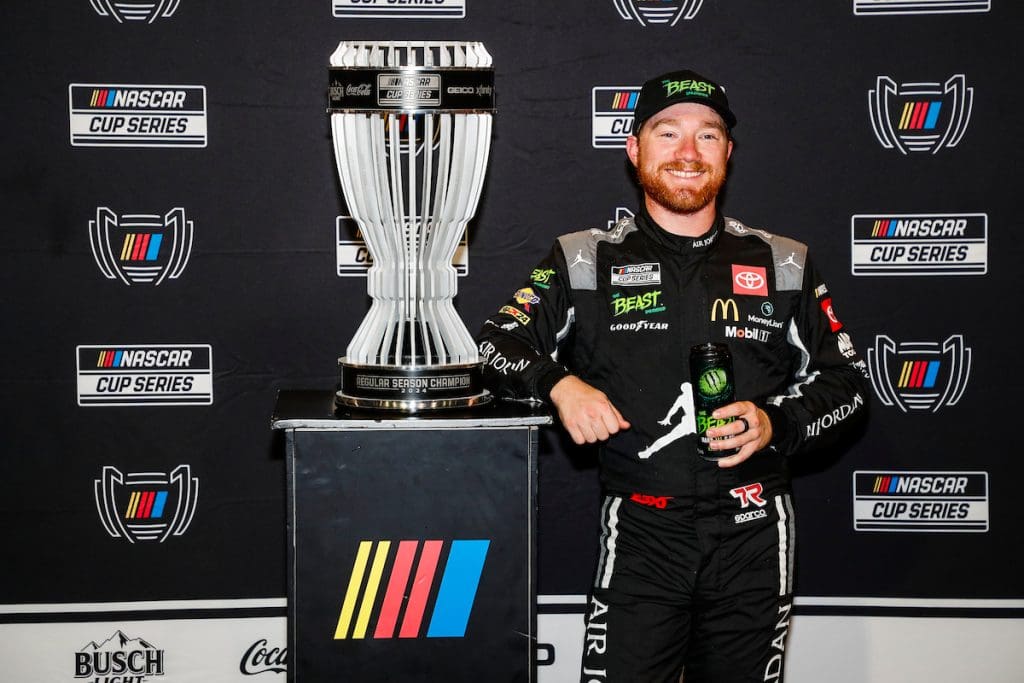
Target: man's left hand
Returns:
[[750, 432]]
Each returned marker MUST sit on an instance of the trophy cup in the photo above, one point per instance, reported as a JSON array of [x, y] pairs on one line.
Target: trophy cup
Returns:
[[411, 123]]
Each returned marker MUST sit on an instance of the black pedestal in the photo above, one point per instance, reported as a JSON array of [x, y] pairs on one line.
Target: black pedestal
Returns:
[[411, 554]]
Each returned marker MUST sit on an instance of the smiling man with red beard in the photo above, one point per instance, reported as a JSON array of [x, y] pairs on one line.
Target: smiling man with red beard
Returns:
[[695, 570]]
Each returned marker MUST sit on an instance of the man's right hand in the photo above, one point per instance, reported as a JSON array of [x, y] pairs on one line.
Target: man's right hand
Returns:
[[585, 412]]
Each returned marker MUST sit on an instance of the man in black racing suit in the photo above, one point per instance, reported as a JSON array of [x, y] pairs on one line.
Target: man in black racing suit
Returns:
[[696, 561]]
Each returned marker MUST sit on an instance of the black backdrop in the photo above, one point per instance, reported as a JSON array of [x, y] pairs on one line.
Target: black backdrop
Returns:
[[261, 287]]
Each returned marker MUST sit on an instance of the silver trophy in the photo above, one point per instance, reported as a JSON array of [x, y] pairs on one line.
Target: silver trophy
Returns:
[[411, 123]]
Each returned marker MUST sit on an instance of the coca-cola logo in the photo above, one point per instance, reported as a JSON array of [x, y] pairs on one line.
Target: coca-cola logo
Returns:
[[261, 659]]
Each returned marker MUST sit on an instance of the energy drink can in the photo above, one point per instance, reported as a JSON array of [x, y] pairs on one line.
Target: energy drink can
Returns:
[[714, 386]]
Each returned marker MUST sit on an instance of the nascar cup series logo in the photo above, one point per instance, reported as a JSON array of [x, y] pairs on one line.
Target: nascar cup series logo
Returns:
[[920, 6], [137, 115], [919, 376], [920, 117], [146, 506], [400, 9], [354, 257], [646, 12], [141, 249], [612, 120], [920, 501], [146, 11], [119, 659], [920, 244], [145, 375]]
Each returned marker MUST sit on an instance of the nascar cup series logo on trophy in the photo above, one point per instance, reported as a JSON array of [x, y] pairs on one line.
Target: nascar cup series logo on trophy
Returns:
[[135, 10], [411, 123], [920, 117], [647, 12]]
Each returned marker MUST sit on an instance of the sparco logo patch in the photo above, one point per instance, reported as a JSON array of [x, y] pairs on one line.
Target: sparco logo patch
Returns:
[[136, 375], [146, 506], [919, 376], [920, 117], [634, 276], [612, 119], [133, 11], [137, 115], [920, 6], [354, 257], [657, 12], [140, 249], [920, 244], [400, 9], [920, 501], [119, 659]]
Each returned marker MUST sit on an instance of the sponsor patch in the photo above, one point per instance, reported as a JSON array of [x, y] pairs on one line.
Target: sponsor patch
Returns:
[[636, 275], [521, 317], [137, 375], [115, 115], [919, 244], [749, 280], [920, 501]]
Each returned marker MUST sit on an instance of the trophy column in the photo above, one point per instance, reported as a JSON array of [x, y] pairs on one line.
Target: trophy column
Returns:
[[411, 124]]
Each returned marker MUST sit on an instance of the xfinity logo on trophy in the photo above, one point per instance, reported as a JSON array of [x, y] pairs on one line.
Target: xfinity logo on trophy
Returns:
[[400, 9], [354, 258], [140, 249], [150, 375], [920, 6], [119, 659], [135, 10], [646, 12], [920, 244], [612, 120], [137, 115], [919, 376], [146, 506], [920, 501], [405, 599], [920, 117]]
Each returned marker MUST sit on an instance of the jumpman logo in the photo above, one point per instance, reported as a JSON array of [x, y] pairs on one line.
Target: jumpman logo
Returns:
[[579, 259], [687, 425], [791, 261]]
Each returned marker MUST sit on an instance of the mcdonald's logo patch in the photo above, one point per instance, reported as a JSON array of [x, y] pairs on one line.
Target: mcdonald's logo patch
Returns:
[[411, 589]]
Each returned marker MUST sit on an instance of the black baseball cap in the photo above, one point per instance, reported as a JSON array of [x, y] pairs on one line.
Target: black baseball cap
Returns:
[[680, 86]]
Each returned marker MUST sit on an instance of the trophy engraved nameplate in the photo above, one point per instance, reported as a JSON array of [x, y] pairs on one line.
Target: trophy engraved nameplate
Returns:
[[411, 124]]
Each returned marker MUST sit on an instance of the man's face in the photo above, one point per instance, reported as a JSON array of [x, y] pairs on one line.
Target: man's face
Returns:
[[681, 156]]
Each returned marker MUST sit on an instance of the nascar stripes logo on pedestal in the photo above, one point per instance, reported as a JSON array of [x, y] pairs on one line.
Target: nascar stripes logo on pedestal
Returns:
[[404, 607]]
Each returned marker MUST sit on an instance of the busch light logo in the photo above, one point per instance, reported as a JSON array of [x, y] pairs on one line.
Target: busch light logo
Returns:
[[400, 9], [612, 120], [146, 506], [646, 12], [920, 244], [920, 501], [920, 6], [146, 11], [150, 375], [119, 659], [141, 249], [920, 117], [354, 258], [137, 115], [919, 376]]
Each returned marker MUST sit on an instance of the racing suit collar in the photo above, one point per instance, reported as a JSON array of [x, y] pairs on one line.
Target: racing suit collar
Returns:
[[679, 243]]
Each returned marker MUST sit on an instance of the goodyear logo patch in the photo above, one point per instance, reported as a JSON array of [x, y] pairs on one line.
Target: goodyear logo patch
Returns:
[[920, 501], [106, 115], [134, 375]]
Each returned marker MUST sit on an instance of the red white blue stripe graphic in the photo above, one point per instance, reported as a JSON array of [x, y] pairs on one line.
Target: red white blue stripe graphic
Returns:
[[405, 606]]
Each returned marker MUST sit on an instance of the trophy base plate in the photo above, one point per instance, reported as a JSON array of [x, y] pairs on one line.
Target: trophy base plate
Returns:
[[411, 389]]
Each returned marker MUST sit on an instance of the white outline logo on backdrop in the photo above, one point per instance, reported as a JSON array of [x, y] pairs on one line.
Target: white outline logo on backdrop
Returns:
[[655, 12], [920, 117], [141, 249], [135, 10], [869, 7]]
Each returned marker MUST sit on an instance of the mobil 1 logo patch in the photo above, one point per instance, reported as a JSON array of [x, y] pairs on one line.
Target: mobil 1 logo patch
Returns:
[[920, 501], [145, 375], [355, 259], [920, 244], [106, 115]]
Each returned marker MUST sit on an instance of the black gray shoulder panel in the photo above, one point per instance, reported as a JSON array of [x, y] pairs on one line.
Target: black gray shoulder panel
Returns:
[[788, 255], [580, 249]]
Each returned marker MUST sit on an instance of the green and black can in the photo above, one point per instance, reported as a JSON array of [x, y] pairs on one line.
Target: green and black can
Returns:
[[713, 387]]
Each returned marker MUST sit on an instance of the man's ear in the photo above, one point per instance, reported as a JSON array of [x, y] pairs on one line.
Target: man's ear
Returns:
[[633, 147]]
